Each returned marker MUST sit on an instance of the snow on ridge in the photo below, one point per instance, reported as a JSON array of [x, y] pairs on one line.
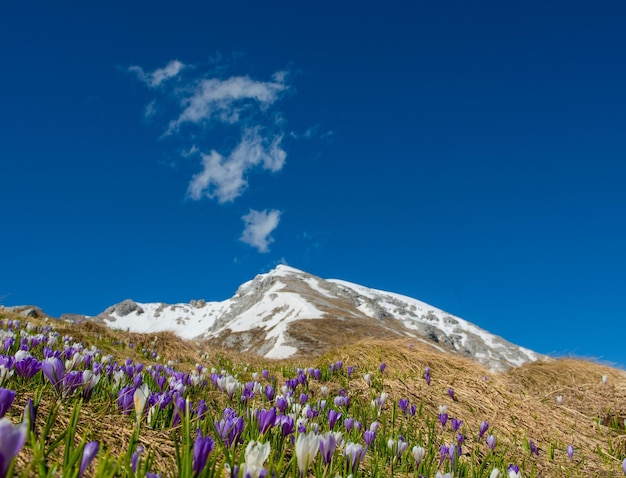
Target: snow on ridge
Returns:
[[377, 294], [285, 271], [184, 320], [270, 302], [448, 323]]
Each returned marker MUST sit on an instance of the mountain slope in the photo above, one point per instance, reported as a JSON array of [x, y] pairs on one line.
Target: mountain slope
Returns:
[[287, 312]]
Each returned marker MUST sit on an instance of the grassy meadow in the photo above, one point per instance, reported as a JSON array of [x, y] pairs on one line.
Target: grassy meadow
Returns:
[[82, 400]]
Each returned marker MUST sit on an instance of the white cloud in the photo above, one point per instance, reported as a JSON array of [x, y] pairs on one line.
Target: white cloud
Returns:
[[258, 227], [150, 109], [224, 177], [243, 109], [159, 75], [224, 100]]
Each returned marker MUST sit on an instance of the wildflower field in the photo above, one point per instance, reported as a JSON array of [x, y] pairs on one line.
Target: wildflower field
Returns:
[[82, 400]]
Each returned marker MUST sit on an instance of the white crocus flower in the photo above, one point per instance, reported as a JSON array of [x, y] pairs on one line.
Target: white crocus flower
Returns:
[[140, 397], [5, 373], [307, 446], [21, 355], [256, 454], [418, 454]]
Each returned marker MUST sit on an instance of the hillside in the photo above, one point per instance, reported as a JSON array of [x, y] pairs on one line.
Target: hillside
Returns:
[[541, 406]]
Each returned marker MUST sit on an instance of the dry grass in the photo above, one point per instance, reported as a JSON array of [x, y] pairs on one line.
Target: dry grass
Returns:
[[519, 404]]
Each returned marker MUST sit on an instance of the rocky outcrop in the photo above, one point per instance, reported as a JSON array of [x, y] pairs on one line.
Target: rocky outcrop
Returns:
[[124, 308]]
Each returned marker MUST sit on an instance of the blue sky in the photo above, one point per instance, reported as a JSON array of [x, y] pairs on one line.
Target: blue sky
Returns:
[[469, 155]]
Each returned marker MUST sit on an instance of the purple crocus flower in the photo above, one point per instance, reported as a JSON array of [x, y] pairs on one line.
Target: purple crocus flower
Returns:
[[7, 362], [443, 453], [134, 459], [269, 392], [164, 400], [266, 419], [348, 423], [333, 416], [12, 438], [382, 367], [71, 381], [328, 444], [484, 426], [230, 427], [27, 367], [341, 401], [7, 343], [443, 419], [354, 453], [301, 427], [89, 453], [403, 404], [201, 449], [24, 343], [202, 408], [6, 400], [570, 452], [349, 371], [427, 375], [54, 370], [287, 425], [97, 368], [533, 448], [311, 412], [160, 381], [491, 442], [451, 393], [282, 404], [624, 465], [180, 410], [125, 400], [456, 424], [369, 437], [513, 471], [453, 453], [87, 359]]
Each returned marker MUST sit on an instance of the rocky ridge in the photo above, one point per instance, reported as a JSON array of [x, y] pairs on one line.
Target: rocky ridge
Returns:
[[288, 312]]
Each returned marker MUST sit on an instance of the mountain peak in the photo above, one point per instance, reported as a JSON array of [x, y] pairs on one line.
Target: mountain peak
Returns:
[[284, 269], [287, 312]]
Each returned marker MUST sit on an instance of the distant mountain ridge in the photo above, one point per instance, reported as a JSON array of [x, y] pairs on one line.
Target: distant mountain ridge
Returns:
[[288, 312]]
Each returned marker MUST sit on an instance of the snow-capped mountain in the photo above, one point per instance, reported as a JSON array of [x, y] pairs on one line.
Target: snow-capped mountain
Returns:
[[288, 312]]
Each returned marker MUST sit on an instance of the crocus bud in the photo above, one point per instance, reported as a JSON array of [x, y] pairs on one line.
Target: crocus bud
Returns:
[[418, 454]]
